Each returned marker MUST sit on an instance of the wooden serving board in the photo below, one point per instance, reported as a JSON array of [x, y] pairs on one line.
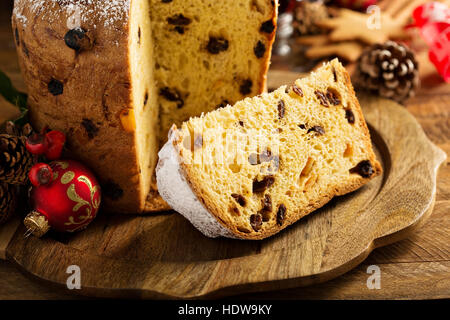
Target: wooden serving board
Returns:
[[163, 256]]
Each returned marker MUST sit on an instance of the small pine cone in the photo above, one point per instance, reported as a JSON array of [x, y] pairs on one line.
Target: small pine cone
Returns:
[[13, 130], [15, 160], [389, 70], [8, 201], [306, 15]]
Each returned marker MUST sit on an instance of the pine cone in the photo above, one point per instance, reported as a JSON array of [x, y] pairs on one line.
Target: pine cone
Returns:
[[14, 130], [15, 160], [8, 201], [307, 14], [390, 70]]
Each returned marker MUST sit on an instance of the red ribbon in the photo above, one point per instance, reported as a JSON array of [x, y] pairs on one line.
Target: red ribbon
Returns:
[[433, 21]]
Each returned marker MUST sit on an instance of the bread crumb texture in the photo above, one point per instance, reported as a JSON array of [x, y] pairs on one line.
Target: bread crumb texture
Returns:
[[267, 161]]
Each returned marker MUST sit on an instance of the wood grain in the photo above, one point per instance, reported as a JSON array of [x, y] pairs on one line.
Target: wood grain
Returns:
[[6, 233], [137, 257]]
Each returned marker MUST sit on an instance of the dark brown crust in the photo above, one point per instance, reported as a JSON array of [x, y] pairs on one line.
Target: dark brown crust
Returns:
[[358, 181], [111, 153]]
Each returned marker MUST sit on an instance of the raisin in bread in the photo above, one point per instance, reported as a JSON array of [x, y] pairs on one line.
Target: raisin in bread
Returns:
[[249, 170], [113, 75]]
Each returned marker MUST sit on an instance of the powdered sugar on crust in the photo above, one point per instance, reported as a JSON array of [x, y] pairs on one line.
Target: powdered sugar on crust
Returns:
[[79, 11], [175, 190]]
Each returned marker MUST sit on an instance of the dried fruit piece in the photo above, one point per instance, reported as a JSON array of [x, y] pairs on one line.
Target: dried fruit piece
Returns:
[[256, 221], [223, 104], [317, 129], [128, 120], [239, 199], [90, 127], [308, 167], [179, 29], [55, 87], [261, 186], [217, 45], [297, 90], [334, 74], [322, 98], [179, 20], [348, 151], [281, 109], [235, 211], [145, 98], [267, 27], [364, 169], [333, 97], [260, 49], [172, 95], [350, 116], [266, 203], [310, 182], [281, 214], [246, 87], [77, 39]]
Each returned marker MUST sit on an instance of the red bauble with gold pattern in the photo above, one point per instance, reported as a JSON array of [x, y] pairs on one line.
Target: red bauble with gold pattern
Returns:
[[68, 203]]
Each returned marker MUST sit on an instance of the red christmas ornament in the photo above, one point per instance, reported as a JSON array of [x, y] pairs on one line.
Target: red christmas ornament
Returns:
[[51, 144], [40, 173], [66, 204], [56, 141], [433, 21], [37, 144]]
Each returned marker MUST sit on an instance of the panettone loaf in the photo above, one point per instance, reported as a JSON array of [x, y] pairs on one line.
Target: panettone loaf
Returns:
[[114, 75], [249, 170], [209, 54]]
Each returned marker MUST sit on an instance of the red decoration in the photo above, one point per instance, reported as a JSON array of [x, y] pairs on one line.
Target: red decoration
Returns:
[[40, 174], [433, 21], [68, 203], [56, 141], [36, 144], [51, 144], [355, 4]]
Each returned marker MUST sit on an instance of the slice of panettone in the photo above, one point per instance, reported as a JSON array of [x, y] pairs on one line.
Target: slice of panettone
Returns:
[[248, 171]]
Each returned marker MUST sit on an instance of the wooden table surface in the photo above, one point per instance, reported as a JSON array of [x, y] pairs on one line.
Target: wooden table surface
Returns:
[[415, 268]]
